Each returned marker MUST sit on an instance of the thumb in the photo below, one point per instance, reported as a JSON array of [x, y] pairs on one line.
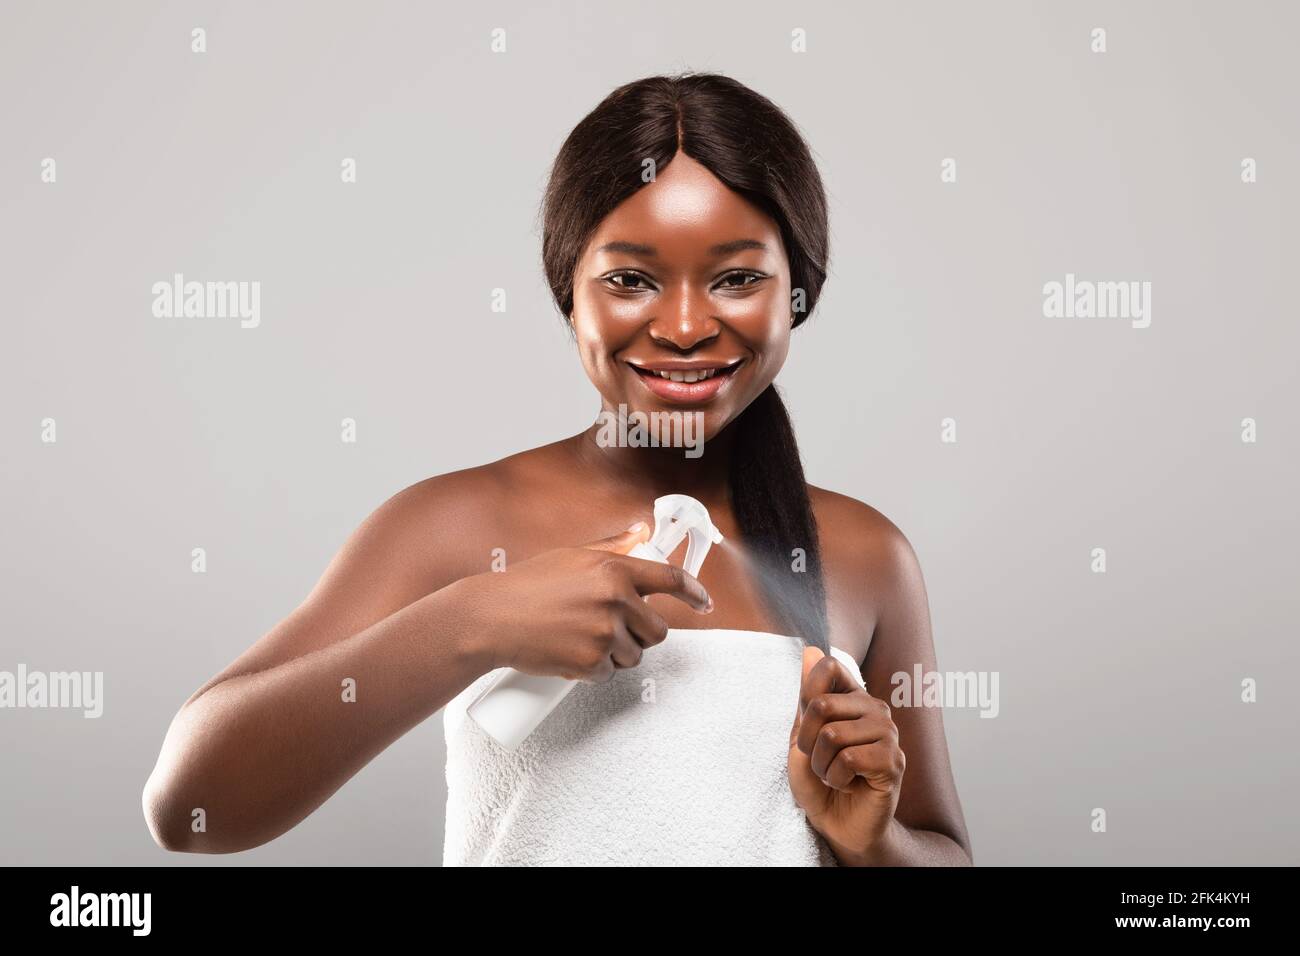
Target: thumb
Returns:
[[624, 541], [811, 655]]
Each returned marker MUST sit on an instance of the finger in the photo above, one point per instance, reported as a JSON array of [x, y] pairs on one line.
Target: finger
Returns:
[[828, 676], [645, 623], [597, 675], [839, 735], [878, 765], [624, 541], [625, 651], [822, 674], [651, 577], [834, 708]]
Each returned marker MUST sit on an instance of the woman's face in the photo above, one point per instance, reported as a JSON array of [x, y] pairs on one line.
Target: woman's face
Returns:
[[681, 300]]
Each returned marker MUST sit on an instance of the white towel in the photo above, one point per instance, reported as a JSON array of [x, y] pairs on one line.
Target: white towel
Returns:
[[678, 761]]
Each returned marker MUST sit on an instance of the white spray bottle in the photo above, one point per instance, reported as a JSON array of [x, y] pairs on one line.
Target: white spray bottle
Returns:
[[515, 703]]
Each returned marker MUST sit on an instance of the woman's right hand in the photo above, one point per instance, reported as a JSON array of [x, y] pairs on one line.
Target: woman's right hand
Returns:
[[578, 613]]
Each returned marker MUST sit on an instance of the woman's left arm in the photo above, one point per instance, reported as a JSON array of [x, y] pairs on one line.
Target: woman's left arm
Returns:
[[876, 781]]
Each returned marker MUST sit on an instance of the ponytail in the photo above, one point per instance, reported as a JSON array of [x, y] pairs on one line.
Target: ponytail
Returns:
[[769, 498]]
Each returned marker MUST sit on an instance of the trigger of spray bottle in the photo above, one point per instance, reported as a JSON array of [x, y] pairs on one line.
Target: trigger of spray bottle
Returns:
[[677, 517], [515, 703]]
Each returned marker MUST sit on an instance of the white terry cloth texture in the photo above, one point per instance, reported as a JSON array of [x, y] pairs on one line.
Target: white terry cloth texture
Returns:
[[679, 761]]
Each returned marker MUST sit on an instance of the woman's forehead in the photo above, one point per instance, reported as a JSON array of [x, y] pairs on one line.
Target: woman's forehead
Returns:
[[685, 211]]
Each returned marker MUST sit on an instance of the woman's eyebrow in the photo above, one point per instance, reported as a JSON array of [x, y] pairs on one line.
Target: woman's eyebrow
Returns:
[[631, 248], [721, 249], [736, 245]]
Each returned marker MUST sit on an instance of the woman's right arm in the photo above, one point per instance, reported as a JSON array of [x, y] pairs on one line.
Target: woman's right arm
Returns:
[[373, 651], [367, 656]]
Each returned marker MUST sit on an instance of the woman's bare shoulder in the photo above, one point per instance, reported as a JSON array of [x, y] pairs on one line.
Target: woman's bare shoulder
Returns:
[[855, 532], [484, 493], [445, 526], [869, 565]]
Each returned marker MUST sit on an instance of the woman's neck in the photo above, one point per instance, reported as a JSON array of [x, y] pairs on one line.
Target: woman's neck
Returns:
[[647, 472]]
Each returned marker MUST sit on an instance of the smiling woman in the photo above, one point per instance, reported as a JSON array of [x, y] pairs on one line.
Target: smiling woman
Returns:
[[700, 269], [761, 739]]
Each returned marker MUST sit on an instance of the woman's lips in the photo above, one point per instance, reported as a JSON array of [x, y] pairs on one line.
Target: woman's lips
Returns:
[[685, 392]]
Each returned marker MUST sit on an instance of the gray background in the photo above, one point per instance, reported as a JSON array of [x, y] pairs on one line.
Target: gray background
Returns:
[[1118, 690]]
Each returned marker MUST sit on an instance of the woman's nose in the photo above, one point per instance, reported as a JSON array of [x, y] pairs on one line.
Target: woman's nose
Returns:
[[684, 320]]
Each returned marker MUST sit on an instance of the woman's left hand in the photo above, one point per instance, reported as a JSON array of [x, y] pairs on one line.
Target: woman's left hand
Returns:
[[846, 767]]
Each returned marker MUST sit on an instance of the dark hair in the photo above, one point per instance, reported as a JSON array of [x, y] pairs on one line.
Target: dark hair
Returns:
[[746, 141]]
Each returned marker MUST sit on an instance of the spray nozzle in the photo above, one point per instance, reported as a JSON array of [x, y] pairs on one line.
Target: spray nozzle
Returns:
[[677, 517]]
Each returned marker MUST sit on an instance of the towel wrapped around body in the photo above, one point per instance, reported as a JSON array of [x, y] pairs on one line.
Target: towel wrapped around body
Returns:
[[679, 761]]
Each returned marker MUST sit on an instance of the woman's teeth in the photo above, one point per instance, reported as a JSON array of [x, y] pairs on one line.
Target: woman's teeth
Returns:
[[691, 376]]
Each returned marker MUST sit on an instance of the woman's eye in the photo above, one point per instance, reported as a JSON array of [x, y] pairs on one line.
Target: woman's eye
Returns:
[[739, 280], [627, 280]]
